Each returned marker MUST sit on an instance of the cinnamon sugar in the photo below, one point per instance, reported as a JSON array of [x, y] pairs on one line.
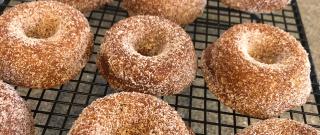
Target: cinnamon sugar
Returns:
[[278, 126], [168, 72], [251, 86], [84, 5], [180, 11], [129, 113], [15, 116], [260, 6], [38, 58]]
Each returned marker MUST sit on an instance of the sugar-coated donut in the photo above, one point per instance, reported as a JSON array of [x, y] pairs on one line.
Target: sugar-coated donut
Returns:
[[277, 126], [129, 113], [180, 11], [147, 54], [258, 70], [259, 6], [15, 116], [43, 44], [85, 5]]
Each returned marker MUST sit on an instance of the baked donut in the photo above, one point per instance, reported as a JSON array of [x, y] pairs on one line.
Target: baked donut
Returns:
[[278, 126], [147, 54], [179, 11], [85, 5], [129, 113], [43, 44], [258, 70], [15, 116], [259, 6]]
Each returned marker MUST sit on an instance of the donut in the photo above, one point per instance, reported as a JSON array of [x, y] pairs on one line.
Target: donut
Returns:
[[147, 54], [15, 116], [179, 11], [279, 126], [258, 70], [257, 6], [43, 44], [129, 113], [85, 5]]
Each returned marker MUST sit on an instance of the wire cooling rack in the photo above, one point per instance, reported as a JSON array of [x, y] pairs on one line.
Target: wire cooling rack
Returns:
[[56, 109]]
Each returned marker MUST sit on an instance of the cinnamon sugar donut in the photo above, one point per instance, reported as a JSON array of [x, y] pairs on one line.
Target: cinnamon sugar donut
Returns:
[[43, 44], [129, 113], [180, 11], [258, 70], [85, 5], [147, 54], [278, 126], [260, 6], [15, 116]]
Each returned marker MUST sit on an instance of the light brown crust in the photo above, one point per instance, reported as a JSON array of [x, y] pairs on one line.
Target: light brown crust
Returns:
[[43, 62], [15, 116], [257, 6], [166, 73], [278, 126], [180, 11], [129, 113], [247, 84], [84, 5]]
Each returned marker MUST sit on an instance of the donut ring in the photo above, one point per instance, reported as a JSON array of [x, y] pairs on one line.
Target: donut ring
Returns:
[[43, 44], [147, 54], [15, 116], [258, 70], [259, 6], [278, 126], [179, 11], [85, 5], [129, 113]]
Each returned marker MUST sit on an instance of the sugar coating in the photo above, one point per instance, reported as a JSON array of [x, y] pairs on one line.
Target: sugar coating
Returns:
[[260, 6], [84, 5], [43, 62], [129, 113], [248, 83], [277, 126], [15, 116], [180, 11], [168, 72]]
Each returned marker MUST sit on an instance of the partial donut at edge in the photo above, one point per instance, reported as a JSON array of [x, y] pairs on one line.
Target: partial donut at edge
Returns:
[[84, 5], [15, 115], [129, 112], [257, 6], [182, 12], [277, 126], [44, 62]]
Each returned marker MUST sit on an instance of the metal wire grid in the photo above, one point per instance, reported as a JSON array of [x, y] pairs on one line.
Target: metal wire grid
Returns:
[[55, 109]]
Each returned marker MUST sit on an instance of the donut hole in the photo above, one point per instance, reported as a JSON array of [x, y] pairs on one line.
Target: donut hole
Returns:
[[129, 131], [265, 50], [133, 130], [152, 44], [136, 129], [42, 27], [263, 55]]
